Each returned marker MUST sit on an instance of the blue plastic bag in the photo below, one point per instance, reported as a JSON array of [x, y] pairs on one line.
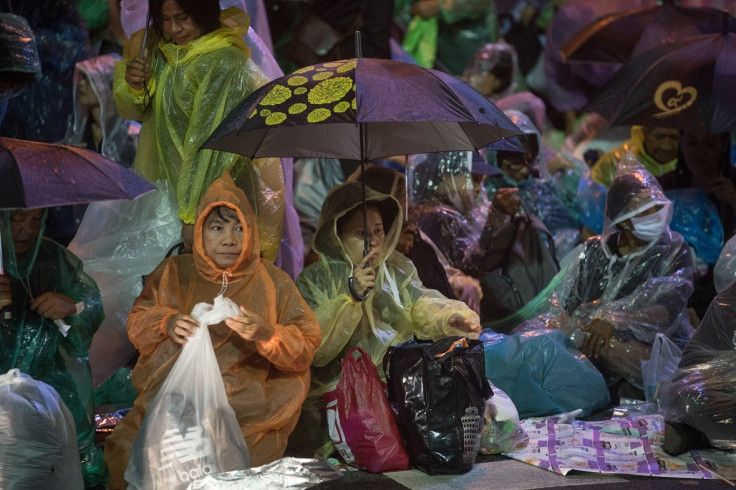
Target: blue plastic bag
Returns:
[[543, 373]]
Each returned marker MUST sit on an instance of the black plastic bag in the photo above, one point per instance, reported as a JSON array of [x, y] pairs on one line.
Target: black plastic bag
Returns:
[[439, 390]]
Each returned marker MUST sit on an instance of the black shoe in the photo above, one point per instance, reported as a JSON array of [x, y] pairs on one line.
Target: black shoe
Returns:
[[680, 438]]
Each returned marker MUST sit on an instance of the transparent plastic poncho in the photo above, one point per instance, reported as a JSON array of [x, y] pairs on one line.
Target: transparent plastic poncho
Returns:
[[702, 392], [541, 194], [119, 136], [448, 212], [641, 293]]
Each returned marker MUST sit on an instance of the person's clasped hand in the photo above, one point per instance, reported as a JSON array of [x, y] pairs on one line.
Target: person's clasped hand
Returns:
[[53, 306], [181, 328], [137, 73], [365, 277], [463, 324], [598, 341], [506, 200], [6, 296], [251, 326]]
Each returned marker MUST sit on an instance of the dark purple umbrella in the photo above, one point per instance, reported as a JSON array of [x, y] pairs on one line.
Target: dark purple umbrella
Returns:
[[402, 108], [40, 175], [570, 85], [363, 109], [685, 85], [618, 36]]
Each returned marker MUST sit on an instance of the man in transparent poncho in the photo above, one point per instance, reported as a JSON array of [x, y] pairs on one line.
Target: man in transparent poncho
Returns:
[[623, 287]]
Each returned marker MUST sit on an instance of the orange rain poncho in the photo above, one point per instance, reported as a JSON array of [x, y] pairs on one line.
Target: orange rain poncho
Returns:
[[194, 86], [266, 382]]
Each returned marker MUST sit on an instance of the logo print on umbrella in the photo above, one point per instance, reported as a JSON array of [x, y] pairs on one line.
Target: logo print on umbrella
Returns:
[[673, 104], [333, 87]]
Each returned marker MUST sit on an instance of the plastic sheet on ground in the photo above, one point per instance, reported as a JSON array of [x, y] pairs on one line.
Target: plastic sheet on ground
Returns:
[[292, 473], [627, 445]]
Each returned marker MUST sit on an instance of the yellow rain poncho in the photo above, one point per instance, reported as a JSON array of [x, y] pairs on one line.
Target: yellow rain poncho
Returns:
[[397, 309], [193, 88], [604, 170], [266, 382]]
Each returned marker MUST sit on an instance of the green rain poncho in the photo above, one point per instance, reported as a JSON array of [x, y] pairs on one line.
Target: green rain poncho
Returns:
[[193, 87], [397, 309], [35, 345]]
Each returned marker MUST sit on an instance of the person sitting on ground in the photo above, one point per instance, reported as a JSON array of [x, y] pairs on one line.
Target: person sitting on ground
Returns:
[[540, 194], [623, 287], [444, 201], [264, 354], [656, 148], [372, 300], [698, 401], [433, 269], [710, 219], [51, 309]]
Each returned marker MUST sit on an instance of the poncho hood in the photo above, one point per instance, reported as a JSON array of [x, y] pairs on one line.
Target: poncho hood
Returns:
[[11, 265], [234, 27], [224, 192], [342, 200]]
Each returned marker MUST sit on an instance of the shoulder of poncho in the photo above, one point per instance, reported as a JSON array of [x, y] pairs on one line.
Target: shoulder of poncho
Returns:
[[274, 272], [222, 44]]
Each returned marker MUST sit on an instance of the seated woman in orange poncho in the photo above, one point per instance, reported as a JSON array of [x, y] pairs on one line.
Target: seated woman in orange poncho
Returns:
[[264, 355]]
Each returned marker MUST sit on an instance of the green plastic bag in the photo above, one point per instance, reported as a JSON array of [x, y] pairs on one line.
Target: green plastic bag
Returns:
[[420, 40]]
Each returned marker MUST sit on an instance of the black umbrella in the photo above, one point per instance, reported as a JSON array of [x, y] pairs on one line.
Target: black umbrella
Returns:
[[617, 37], [685, 85], [363, 109]]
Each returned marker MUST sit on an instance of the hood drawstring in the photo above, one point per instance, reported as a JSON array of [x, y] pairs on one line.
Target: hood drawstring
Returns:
[[225, 278]]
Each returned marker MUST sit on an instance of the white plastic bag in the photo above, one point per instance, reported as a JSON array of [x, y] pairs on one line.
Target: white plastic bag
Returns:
[[119, 242], [502, 432], [190, 430], [660, 366], [38, 440]]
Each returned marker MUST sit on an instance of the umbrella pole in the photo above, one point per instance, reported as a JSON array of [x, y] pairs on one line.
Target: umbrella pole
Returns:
[[361, 128]]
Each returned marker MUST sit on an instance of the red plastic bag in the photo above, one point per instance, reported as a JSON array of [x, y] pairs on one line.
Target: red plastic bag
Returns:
[[361, 423]]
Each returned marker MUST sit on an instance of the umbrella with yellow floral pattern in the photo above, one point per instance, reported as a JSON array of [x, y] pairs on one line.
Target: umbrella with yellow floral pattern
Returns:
[[319, 110], [363, 109]]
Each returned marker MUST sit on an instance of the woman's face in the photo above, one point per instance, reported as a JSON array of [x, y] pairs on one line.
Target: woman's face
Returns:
[[351, 233], [222, 240], [177, 26]]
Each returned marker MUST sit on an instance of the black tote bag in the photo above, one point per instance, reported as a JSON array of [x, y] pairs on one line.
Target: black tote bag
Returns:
[[439, 393]]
